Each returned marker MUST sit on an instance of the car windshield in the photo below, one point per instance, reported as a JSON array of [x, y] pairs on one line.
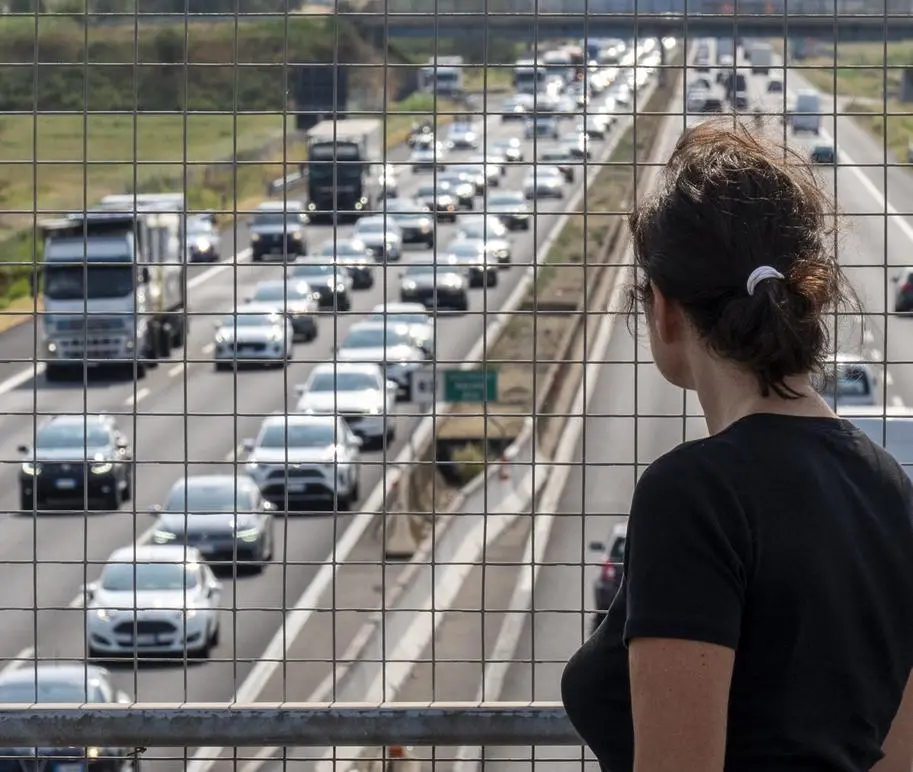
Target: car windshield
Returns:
[[851, 381], [400, 318], [50, 689], [373, 226], [200, 232], [423, 269], [313, 269], [342, 381], [280, 291], [464, 250], [89, 282], [250, 320], [276, 219], [73, 435], [139, 577], [303, 435], [208, 497], [375, 337], [506, 199], [450, 180], [342, 249], [428, 191]]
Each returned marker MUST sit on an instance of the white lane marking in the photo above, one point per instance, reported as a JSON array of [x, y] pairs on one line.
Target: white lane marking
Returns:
[[15, 381], [176, 370], [18, 661], [896, 401], [137, 397], [241, 257]]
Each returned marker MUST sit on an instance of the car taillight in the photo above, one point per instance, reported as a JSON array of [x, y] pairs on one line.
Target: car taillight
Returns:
[[907, 287], [609, 571]]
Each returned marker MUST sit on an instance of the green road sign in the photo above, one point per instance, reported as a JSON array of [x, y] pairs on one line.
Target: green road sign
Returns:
[[470, 385]]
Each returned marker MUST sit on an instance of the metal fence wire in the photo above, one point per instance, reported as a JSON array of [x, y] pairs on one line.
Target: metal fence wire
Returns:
[[320, 421]]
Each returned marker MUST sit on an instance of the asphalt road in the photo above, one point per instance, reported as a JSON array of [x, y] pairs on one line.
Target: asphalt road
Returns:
[[614, 447], [184, 418]]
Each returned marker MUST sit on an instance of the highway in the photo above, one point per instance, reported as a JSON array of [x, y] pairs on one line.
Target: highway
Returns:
[[184, 418], [614, 448]]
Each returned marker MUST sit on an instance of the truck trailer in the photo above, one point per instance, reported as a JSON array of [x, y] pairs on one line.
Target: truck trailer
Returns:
[[113, 282], [343, 160]]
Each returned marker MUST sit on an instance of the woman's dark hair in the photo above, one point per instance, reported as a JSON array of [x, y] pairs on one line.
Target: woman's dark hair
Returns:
[[731, 202]]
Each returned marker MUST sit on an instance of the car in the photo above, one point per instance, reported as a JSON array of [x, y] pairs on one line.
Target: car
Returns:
[[76, 460], [474, 174], [382, 237], [712, 105], [224, 516], [848, 381], [358, 392], [421, 324], [823, 153], [439, 199], [460, 188], [516, 107], [543, 181], [390, 346], [59, 683], [903, 291], [702, 84], [387, 181], [332, 283], [153, 599], [607, 584], [437, 287], [512, 149], [427, 157], [561, 157], [740, 100], [204, 244], [295, 299], [511, 208], [594, 126], [415, 220], [495, 165], [462, 136], [470, 255], [491, 231], [354, 256], [277, 229], [542, 126], [775, 86], [254, 334], [696, 100], [304, 459]]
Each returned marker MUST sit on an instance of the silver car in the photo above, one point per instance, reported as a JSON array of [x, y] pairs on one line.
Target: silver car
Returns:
[[848, 381], [415, 220], [390, 346], [253, 336], [332, 283], [426, 158], [295, 299], [421, 324], [381, 236], [492, 232], [352, 254], [462, 136], [544, 182], [204, 245], [510, 208], [473, 173], [459, 187]]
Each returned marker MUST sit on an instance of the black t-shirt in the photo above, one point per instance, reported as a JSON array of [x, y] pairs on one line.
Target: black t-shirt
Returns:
[[789, 540]]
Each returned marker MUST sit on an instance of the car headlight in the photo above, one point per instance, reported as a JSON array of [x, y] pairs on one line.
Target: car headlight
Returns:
[[252, 467], [103, 614], [220, 337], [376, 410], [255, 237], [189, 613], [203, 245], [93, 753], [409, 286], [248, 534], [163, 537], [102, 467], [30, 469], [340, 286], [296, 236]]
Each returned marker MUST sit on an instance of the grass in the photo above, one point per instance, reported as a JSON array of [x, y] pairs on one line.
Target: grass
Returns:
[[493, 79], [532, 342]]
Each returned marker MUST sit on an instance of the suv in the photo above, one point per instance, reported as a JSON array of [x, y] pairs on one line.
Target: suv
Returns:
[[76, 459], [607, 584], [299, 459], [277, 230]]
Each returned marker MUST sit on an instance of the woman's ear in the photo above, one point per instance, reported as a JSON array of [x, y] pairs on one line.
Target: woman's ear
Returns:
[[666, 317]]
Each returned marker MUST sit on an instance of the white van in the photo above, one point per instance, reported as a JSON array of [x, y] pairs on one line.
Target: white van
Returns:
[[806, 113]]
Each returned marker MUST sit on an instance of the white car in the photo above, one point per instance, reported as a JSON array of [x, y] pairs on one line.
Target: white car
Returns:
[[426, 157], [421, 323], [358, 392], [848, 381], [294, 298], [381, 236], [254, 335], [299, 459], [490, 230], [462, 136], [153, 599], [388, 345], [544, 182]]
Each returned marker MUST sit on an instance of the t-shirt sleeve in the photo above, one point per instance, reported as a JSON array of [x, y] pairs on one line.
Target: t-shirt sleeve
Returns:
[[688, 554]]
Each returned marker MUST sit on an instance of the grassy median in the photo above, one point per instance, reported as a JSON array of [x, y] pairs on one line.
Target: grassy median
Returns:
[[536, 337]]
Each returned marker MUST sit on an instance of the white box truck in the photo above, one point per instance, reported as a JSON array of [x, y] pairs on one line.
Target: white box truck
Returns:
[[762, 58], [806, 113]]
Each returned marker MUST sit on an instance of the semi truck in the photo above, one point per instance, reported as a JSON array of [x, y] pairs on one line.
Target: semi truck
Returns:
[[343, 161], [112, 281], [762, 57]]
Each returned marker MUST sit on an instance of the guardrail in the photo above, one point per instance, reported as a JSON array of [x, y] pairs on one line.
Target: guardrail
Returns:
[[294, 724]]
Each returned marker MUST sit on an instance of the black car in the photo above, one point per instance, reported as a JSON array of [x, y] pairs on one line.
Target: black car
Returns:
[[563, 159], [415, 220], [606, 586], [77, 460], [63, 684], [353, 255], [470, 255], [225, 517], [439, 200], [437, 287], [278, 232], [331, 283], [824, 153], [511, 208]]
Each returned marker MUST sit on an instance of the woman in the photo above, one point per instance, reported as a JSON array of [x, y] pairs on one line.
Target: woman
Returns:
[[765, 621]]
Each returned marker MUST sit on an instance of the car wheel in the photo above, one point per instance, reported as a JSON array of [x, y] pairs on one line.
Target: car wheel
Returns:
[[429, 244], [25, 502], [216, 635], [127, 491], [111, 501], [491, 279]]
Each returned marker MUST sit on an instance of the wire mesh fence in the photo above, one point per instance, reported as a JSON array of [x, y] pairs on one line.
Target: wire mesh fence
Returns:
[[315, 384]]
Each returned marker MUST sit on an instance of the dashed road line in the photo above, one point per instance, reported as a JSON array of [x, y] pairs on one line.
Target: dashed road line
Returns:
[[137, 397]]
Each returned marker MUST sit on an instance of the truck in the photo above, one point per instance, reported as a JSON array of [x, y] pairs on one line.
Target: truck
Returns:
[[762, 56], [112, 281], [344, 158], [442, 76]]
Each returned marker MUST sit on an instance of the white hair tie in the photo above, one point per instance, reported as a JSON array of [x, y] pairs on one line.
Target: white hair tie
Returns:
[[759, 274]]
